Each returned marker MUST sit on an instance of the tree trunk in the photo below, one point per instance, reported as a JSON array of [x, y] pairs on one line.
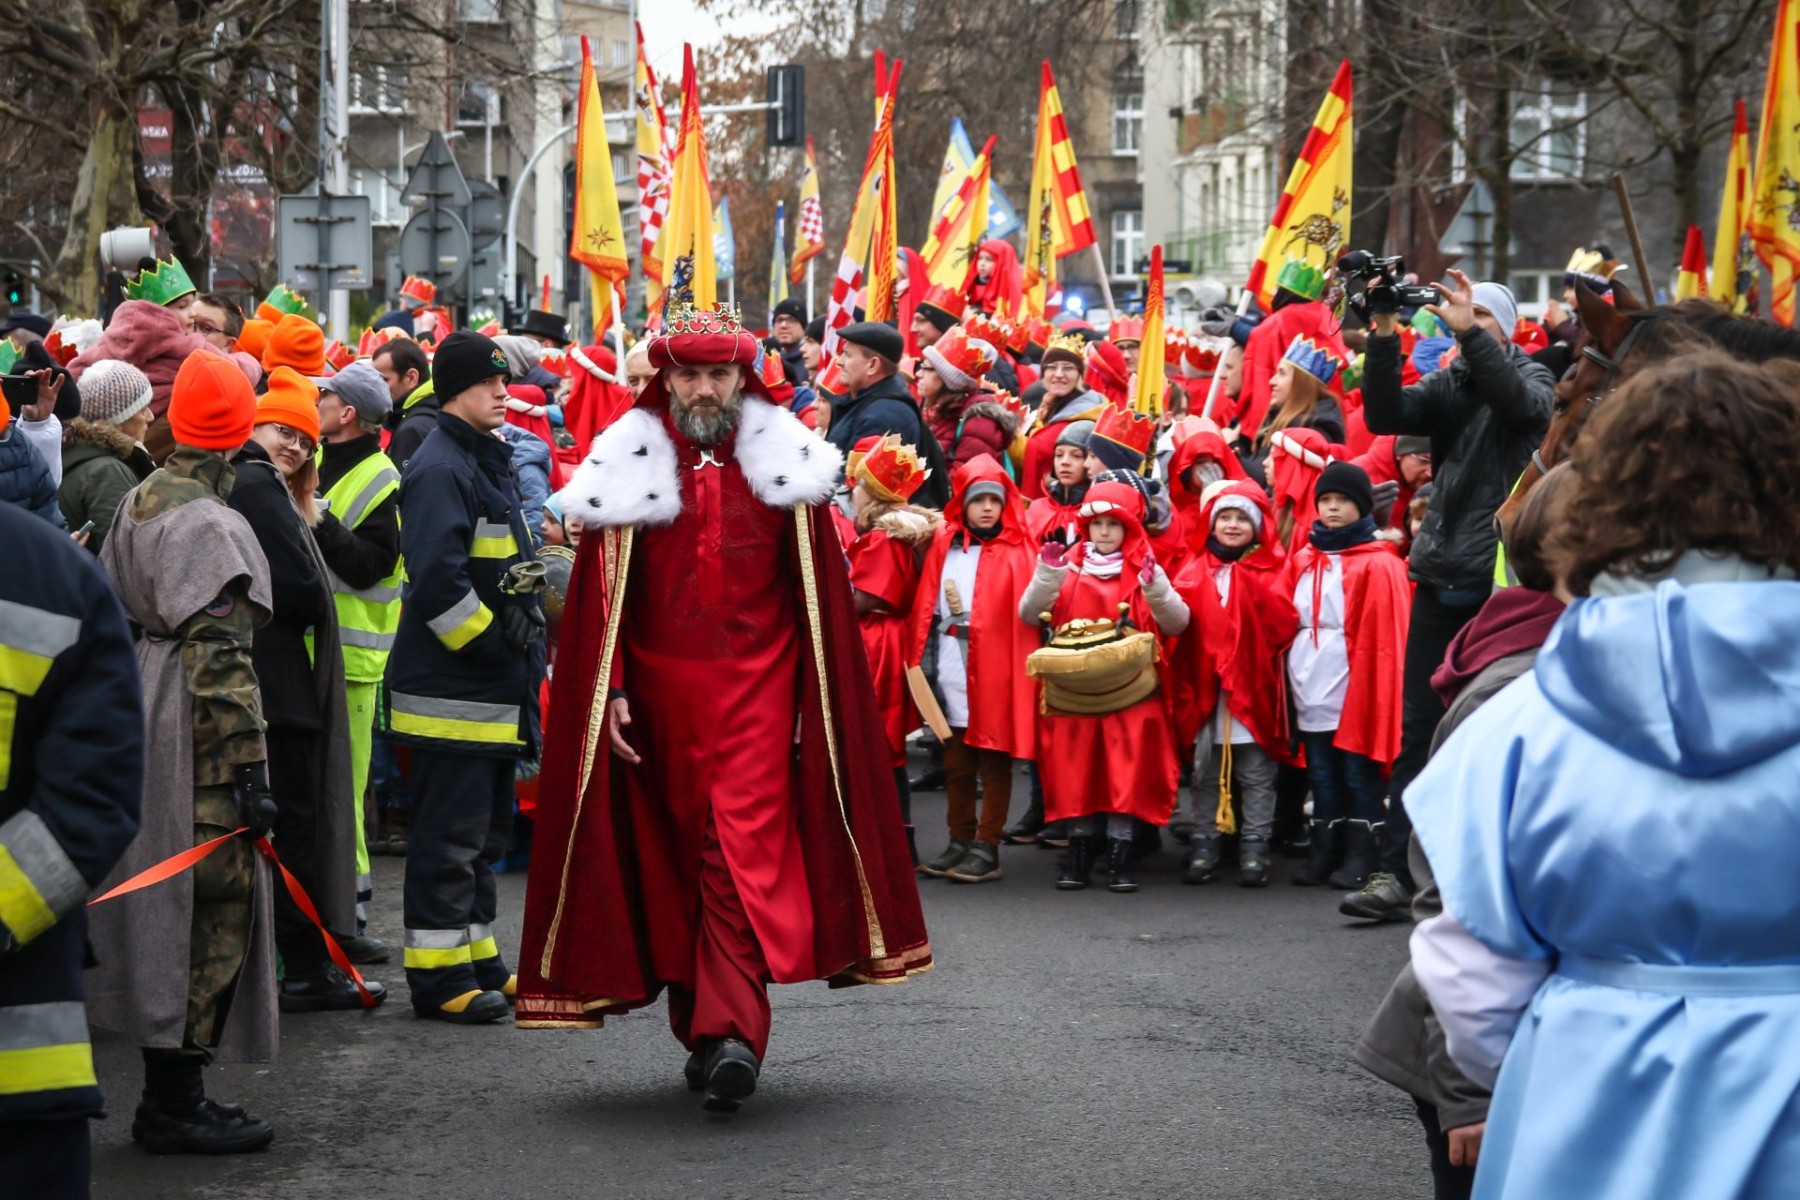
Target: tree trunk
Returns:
[[1378, 136], [1500, 182], [194, 162], [105, 198]]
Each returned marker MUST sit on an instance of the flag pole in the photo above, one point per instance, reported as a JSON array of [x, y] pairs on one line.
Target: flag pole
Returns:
[[1105, 284], [1218, 379], [810, 309], [731, 290]]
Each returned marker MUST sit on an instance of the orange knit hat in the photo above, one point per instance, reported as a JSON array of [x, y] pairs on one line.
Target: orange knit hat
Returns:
[[212, 405], [291, 400], [297, 343], [255, 337]]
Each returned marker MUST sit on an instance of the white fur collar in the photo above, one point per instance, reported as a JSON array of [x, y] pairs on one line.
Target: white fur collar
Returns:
[[630, 475]]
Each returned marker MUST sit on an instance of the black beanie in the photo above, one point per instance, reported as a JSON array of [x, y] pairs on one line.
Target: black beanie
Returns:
[[1115, 456], [1349, 480], [463, 360], [793, 307], [815, 330]]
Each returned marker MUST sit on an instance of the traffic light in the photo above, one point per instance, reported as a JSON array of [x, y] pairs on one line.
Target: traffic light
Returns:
[[787, 114], [15, 290]]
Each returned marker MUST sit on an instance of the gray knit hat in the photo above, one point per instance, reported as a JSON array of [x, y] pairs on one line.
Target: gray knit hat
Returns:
[[113, 391]]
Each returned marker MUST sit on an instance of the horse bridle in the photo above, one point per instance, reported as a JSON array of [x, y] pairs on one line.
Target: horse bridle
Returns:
[[1612, 364]]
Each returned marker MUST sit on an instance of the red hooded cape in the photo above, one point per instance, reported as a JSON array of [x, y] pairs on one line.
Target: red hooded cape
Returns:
[[1108, 373], [1294, 475], [1377, 609], [1005, 286], [597, 397], [883, 564], [1238, 645], [1126, 761], [1190, 450], [1040, 442], [1002, 698], [1383, 467]]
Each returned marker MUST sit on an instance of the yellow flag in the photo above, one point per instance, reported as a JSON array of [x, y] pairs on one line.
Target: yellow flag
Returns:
[[1312, 218], [950, 251], [1732, 258], [687, 238], [1150, 381], [597, 236], [1775, 206]]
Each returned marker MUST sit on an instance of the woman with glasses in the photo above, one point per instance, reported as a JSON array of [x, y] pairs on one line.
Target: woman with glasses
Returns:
[[308, 733]]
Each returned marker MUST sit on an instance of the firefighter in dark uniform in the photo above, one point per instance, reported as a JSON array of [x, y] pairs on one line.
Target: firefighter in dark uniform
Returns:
[[462, 682], [71, 773]]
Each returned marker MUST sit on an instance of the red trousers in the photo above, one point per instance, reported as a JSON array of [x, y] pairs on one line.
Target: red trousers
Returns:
[[730, 996]]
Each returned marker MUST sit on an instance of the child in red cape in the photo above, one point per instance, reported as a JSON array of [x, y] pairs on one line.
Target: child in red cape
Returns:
[[1099, 772], [1055, 515], [1230, 670], [967, 600], [1345, 669], [891, 536], [1296, 456], [1200, 458]]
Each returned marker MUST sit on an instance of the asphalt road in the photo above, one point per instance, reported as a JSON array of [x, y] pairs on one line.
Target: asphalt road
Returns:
[[1180, 1042]]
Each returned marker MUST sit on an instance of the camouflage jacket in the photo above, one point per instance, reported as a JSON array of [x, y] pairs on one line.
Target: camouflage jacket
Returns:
[[215, 641]]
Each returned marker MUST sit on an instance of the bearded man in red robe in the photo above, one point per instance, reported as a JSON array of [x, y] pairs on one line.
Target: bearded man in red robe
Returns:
[[716, 811]]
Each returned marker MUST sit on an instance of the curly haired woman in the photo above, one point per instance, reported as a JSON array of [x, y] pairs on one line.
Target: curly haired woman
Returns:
[[1613, 834]]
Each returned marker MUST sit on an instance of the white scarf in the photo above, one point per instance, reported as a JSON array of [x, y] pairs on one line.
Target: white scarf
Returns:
[[1102, 566]]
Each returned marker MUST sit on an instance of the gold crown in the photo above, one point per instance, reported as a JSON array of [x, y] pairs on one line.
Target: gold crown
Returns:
[[724, 319], [1074, 343]]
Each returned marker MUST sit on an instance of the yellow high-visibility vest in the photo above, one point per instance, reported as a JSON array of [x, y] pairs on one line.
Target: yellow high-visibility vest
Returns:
[[367, 618]]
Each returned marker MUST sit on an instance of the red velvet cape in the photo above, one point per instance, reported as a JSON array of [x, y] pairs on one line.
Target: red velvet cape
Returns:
[[884, 567], [585, 950], [1002, 698], [1377, 609]]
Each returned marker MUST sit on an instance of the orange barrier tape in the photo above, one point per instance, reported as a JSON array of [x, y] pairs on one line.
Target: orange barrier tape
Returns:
[[175, 864]]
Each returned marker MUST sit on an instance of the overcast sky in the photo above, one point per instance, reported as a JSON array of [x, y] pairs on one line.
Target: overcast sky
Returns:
[[669, 23]]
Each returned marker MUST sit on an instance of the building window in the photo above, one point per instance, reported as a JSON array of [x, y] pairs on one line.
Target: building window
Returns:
[[1125, 18], [1128, 110], [1549, 135], [1127, 242], [478, 106], [480, 12], [621, 54], [1534, 289], [385, 207], [378, 90]]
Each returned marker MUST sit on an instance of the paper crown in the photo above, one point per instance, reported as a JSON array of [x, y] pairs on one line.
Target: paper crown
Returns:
[[858, 452], [1040, 334], [1301, 278], [1594, 264], [991, 330], [1312, 358], [960, 359], [950, 303], [1067, 344], [338, 355], [484, 322], [1175, 344], [1005, 399], [374, 339], [1122, 427], [1202, 357], [830, 380], [1126, 329], [555, 360], [774, 376], [422, 290], [279, 303], [891, 470], [1018, 337], [162, 284]]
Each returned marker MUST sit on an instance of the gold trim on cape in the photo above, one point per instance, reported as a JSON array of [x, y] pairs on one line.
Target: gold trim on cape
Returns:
[[815, 623], [616, 561]]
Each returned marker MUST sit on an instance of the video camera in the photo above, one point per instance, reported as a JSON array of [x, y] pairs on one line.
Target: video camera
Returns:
[[1383, 287]]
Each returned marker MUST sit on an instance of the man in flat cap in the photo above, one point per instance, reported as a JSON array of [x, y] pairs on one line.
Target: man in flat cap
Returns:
[[879, 403]]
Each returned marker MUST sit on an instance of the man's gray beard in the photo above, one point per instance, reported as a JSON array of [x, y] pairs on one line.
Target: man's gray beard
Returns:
[[707, 426]]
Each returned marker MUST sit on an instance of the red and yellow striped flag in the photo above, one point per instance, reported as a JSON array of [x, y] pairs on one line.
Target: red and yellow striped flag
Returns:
[[950, 251], [1732, 257], [1150, 381], [1312, 218], [688, 236], [1775, 202], [883, 265], [809, 226], [597, 237], [653, 146], [847, 290], [1058, 221], [1692, 280]]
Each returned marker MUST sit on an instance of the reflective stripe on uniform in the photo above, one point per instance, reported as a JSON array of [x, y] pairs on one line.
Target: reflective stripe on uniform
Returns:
[[435, 949], [385, 483], [453, 720], [462, 622], [381, 593], [38, 881], [481, 942], [492, 540], [362, 639], [30, 640], [44, 1048], [367, 617]]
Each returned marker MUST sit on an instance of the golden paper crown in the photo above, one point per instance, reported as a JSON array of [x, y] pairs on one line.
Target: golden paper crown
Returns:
[[891, 470], [1074, 343]]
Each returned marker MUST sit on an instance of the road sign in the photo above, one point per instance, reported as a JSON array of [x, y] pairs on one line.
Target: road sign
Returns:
[[435, 245], [324, 243], [436, 178], [487, 214]]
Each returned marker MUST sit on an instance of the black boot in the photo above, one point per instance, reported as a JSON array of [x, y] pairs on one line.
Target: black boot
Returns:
[[1026, 832], [1203, 863], [326, 989], [731, 1074], [1359, 857], [1320, 854], [175, 1116], [1118, 877], [1077, 865], [1253, 863]]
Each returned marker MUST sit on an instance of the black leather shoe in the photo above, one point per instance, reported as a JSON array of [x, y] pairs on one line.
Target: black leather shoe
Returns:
[[331, 991], [731, 1073], [1025, 833], [1077, 865], [1253, 863], [931, 781], [365, 951], [694, 1071], [471, 1008], [1203, 864], [1118, 877], [202, 1127]]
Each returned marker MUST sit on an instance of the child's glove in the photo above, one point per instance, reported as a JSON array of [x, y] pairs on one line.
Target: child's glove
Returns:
[[1053, 554]]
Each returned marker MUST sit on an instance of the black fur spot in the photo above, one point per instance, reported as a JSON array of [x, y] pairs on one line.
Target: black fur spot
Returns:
[[594, 462], [781, 481], [806, 452], [593, 502], [650, 495], [642, 451]]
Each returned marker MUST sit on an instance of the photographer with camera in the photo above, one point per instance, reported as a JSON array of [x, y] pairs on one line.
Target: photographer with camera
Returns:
[[1484, 414]]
